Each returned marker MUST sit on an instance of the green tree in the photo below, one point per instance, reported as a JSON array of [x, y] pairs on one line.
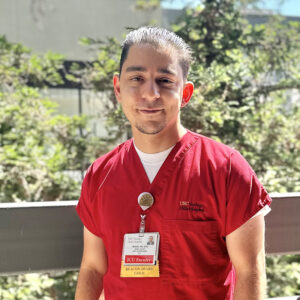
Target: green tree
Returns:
[[97, 75], [37, 146], [38, 286], [283, 274]]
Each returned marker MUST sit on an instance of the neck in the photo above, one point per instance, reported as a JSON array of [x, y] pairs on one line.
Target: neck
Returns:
[[154, 143]]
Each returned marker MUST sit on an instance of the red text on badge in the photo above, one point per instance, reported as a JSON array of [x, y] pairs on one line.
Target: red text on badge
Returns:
[[139, 259]]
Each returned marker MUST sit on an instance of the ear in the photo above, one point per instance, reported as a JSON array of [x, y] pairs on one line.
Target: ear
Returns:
[[116, 81], [188, 90]]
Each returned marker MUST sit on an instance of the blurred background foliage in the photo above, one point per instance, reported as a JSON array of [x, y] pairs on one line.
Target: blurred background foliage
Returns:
[[243, 76], [38, 146]]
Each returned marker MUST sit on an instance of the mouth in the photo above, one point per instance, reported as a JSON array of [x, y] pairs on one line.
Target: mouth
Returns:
[[150, 111]]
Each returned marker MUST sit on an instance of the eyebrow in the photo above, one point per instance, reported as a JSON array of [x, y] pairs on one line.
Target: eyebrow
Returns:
[[143, 69], [136, 68], [166, 71]]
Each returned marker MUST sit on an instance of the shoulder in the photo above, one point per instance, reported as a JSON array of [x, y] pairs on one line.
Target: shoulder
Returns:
[[108, 158], [217, 156], [213, 150], [99, 169]]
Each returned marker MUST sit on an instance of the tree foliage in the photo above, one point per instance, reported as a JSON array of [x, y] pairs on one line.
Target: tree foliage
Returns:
[[283, 274], [37, 147], [97, 75], [38, 286]]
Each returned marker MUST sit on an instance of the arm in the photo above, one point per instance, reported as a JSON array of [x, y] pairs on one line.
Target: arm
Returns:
[[93, 267], [245, 246]]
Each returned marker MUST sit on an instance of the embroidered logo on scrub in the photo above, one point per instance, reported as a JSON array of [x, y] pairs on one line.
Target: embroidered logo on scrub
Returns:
[[194, 206]]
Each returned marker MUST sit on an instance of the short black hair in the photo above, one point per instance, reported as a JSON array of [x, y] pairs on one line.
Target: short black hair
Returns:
[[159, 37]]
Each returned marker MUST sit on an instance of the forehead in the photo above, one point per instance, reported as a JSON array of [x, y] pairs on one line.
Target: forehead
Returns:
[[150, 57]]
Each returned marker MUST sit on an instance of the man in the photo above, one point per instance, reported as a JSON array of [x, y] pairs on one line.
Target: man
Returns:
[[208, 206], [150, 240]]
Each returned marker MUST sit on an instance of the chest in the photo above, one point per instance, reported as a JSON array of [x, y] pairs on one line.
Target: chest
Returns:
[[182, 191]]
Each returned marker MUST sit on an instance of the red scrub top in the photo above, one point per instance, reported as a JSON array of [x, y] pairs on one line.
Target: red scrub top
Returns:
[[203, 191]]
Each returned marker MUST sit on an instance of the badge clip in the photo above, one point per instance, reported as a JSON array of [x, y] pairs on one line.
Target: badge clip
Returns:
[[142, 225]]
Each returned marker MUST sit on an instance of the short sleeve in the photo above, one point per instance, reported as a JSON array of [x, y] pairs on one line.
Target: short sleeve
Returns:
[[85, 207], [245, 195]]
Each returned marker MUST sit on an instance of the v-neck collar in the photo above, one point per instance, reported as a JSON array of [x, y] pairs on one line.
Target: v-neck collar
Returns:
[[165, 171]]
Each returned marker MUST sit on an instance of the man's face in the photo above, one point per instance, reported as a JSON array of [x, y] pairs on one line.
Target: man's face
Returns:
[[150, 89]]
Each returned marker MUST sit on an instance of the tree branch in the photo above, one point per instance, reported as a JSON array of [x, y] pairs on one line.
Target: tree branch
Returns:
[[276, 87]]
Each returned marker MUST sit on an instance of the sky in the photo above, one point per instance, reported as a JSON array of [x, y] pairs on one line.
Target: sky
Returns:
[[286, 7]]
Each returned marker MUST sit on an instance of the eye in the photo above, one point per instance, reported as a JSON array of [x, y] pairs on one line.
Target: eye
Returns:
[[136, 78], [165, 81]]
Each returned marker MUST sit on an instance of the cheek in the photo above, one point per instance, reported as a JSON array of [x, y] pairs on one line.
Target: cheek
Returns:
[[130, 93], [174, 93], [125, 95], [173, 97]]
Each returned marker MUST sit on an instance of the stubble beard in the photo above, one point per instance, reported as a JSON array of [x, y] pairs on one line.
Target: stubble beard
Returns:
[[152, 130]]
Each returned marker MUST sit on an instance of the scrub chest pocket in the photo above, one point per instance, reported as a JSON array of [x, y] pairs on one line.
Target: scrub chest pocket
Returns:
[[191, 251]]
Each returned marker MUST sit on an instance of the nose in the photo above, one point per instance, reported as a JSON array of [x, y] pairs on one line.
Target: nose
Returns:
[[150, 90]]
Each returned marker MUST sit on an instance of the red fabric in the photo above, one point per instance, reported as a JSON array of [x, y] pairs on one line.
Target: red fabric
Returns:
[[203, 191]]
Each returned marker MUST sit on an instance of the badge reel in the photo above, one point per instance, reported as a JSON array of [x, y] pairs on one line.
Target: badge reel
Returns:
[[140, 250]]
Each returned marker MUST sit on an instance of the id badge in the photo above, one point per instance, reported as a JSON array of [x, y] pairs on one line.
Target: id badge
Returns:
[[140, 255]]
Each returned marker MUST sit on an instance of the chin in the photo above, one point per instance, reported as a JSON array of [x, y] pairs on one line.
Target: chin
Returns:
[[149, 131]]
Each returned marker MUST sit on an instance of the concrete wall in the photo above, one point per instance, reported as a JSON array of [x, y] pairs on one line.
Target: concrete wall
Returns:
[[57, 25], [92, 105]]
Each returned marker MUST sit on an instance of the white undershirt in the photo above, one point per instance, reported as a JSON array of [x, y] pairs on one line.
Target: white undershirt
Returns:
[[153, 161]]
